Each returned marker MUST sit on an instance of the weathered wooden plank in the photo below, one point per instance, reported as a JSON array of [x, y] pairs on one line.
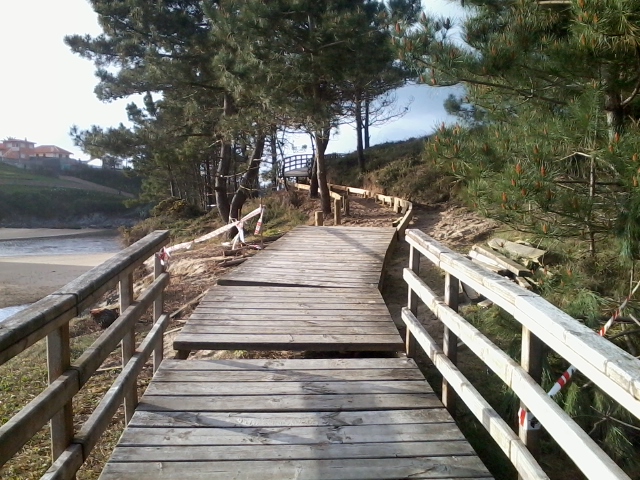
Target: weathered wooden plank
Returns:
[[374, 298], [288, 419], [365, 308], [240, 279], [288, 319], [292, 387], [348, 434], [208, 329], [389, 468], [187, 341], [291, 403], [301, 364], [195, 453], [167, 375]]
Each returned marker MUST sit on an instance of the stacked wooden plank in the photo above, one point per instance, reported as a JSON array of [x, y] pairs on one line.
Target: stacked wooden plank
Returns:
[[373, 418]]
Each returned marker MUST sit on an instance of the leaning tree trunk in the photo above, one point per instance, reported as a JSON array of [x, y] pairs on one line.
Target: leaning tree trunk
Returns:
[[359, 128], [313, 181], [224, 165], [322, 140], [367, 138], [248, 179]]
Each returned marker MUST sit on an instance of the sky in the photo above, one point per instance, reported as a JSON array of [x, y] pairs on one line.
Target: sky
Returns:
[[45, 88]]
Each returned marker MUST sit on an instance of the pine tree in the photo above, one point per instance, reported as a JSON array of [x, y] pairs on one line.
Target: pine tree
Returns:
[[549, 139]]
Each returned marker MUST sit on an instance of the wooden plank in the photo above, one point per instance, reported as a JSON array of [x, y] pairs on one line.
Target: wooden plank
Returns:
[[167, 375], [389, 468], [302, 364], [295, 342], [292, 387], [348, 434], [228, 420], [290, 403], [352, 297], [195, 453], [286, 329], [292, 312], [287, 319], [365, 308], [242, 278]]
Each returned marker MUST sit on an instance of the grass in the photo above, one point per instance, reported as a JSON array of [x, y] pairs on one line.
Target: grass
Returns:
[[22, 201]]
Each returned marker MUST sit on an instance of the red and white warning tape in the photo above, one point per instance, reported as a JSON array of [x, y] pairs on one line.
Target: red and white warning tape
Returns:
[[218, 232], [526, 419]]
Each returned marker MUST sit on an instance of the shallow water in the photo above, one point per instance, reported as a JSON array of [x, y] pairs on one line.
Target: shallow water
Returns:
[[108, 242], [104, 243], [7, 312]]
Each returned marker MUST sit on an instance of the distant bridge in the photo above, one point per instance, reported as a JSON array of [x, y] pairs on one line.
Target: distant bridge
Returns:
[[300, 165]]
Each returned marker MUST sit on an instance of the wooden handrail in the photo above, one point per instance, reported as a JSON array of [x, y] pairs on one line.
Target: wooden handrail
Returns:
[[399, 205], [612, 369], [50, 318]]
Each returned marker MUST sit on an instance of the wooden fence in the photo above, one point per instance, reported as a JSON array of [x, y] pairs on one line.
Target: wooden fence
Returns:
[[613, 370], [49, 318], [340, 195]]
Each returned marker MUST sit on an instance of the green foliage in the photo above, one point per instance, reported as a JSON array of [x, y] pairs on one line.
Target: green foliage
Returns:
[[124, 180], [56, 203]]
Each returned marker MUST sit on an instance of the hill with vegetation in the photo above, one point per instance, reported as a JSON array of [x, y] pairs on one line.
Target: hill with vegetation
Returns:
[[30, 199]]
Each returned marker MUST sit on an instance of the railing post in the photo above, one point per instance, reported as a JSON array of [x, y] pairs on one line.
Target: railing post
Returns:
[[531, 361], [412, 300], [319, 219], [337, 213], [345, 201], [450, 340], [58, 361], [128, 344], [158, 307]]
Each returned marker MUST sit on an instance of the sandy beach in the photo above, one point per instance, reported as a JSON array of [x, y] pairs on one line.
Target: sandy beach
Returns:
[[29, 278]]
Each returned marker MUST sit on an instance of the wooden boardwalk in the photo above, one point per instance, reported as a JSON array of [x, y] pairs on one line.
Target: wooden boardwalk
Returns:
[[365, 418], [315, 289], [293, 318], [344, 257]]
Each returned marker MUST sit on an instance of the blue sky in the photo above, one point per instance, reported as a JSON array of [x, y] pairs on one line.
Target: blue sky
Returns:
[[45, 89]]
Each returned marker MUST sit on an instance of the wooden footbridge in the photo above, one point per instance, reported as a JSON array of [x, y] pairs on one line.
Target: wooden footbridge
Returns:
[[357, 408]]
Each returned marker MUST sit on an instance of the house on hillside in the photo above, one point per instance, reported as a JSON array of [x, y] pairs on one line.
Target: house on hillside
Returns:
[[25, 154]]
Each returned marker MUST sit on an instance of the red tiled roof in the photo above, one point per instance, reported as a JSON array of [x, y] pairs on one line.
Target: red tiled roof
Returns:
[[50, 149]]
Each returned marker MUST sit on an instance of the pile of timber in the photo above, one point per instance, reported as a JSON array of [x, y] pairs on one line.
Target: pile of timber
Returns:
[[509, 259]]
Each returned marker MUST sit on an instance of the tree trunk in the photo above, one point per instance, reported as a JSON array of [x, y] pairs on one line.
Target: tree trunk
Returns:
[[274, 158], [224, 165], [358, 114], [322, 140], [366, 123], [313, 181], [248, 179]]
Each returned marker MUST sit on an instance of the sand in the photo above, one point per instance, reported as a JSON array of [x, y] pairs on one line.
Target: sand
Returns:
[[28, 279]]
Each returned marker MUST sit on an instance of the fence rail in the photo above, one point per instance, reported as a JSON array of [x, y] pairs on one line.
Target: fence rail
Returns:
[[612, 369], [49, 318]]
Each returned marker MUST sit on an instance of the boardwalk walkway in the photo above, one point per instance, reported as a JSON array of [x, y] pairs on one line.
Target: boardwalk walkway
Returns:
[[331, 418]]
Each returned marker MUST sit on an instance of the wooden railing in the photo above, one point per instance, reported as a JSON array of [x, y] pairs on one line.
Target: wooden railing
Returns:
[[49, 318], [616, 372], [340, 195]]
